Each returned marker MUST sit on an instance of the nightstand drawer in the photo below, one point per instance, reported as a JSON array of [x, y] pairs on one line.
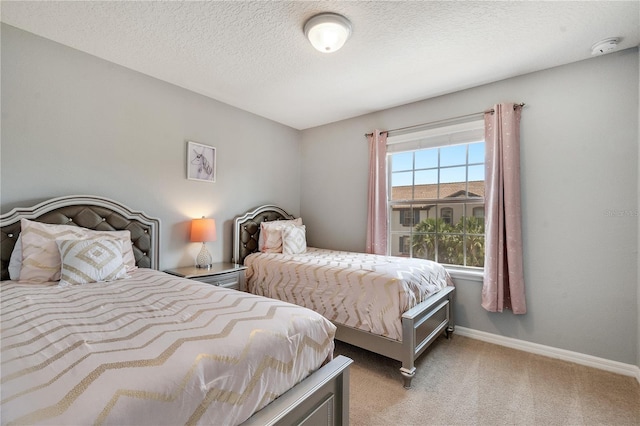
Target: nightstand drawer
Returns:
[[228, 280]]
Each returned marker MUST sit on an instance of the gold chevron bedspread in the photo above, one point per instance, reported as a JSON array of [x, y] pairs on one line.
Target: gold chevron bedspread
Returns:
[[363, 291], [150, 350]]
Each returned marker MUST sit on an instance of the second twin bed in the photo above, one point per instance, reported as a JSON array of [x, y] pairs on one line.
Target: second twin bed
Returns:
[[389, 305]]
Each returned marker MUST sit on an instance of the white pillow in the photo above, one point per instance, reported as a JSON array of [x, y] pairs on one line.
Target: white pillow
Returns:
[[40, 255], [89, 261], [15, 262], [294, 239], [270, 238]]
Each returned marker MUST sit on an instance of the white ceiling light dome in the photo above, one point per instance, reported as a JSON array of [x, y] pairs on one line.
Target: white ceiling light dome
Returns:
[[327, 32]]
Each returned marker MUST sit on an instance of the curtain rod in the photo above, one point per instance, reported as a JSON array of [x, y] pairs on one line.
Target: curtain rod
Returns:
[[489, 111]]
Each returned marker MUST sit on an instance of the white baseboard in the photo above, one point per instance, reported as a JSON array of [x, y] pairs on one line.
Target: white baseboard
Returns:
[[551, 352]]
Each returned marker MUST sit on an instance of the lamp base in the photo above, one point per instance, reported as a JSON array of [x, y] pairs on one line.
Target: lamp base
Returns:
[[204, 259]]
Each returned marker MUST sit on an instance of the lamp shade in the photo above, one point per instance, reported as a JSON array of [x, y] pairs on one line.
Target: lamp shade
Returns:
[[203, 230], [327, 32]]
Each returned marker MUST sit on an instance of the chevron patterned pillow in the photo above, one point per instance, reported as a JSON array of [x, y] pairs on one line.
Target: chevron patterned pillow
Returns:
[[294, 239], [88, 261]]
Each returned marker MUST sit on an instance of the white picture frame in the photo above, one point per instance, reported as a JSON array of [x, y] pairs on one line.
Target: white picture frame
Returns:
[[201, 162]]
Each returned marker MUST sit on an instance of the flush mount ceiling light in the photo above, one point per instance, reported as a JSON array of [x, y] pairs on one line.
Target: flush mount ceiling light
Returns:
[[327, 32], [605, 46]]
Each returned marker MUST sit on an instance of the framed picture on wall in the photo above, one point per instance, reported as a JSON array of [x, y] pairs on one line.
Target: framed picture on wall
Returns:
[[201, 162]]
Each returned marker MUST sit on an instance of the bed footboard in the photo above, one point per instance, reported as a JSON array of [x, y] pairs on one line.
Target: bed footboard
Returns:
[[421, 325], [320, 399]]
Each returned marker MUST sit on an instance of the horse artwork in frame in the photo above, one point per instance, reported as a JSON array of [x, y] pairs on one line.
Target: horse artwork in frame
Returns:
[[201, 162]]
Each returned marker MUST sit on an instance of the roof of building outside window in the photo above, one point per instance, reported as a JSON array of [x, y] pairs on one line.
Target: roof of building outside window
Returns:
[[430, 192]]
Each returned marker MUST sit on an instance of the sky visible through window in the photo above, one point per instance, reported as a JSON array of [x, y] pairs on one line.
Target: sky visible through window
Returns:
[[453, 165]]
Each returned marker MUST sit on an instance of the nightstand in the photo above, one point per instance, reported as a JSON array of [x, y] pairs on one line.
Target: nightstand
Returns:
[[227, 275]]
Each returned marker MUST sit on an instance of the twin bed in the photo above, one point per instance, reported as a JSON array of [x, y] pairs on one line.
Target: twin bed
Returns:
[[151, 348], [393, 306]]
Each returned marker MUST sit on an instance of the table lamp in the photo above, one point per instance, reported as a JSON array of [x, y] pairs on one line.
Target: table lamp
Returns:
[[203, 230]]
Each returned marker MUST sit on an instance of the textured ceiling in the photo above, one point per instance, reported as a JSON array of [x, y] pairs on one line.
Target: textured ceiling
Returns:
[[253, 55]]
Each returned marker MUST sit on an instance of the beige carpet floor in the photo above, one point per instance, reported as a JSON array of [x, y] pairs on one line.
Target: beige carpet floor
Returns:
[[464, 381]]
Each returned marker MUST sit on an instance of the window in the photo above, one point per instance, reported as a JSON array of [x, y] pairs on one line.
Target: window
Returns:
[[436, 180], [446, 213], [409, 217], [478, 212], [405, 245]]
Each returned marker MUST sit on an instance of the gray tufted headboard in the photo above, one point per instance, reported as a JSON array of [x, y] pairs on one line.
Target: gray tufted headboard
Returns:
[[246, 229], [89, 212]]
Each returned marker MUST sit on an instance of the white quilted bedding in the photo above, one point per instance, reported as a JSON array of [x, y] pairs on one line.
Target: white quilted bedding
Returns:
[[363, 291], [151, 350]]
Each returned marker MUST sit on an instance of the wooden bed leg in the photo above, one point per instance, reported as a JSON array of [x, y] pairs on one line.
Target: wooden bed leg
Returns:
[[407, 376]]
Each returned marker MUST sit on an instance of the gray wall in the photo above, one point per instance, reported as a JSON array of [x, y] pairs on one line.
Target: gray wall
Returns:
[[579, 162], [75, 124]]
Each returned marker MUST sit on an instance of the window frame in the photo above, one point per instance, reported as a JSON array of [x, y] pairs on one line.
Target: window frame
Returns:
[[440, 136]]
